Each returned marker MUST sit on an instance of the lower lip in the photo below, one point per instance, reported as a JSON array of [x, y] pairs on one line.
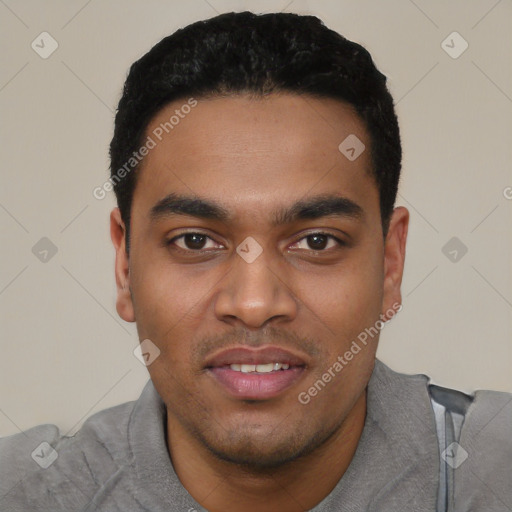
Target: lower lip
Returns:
[[256, 386]]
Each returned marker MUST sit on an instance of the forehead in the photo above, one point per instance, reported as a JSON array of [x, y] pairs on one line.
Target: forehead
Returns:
[[247, 153]]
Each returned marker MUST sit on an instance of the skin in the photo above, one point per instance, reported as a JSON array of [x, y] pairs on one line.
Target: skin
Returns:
[[255, 156]]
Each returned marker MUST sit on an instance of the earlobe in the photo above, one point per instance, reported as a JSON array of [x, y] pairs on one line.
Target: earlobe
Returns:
[[124, 303], [394, 260]]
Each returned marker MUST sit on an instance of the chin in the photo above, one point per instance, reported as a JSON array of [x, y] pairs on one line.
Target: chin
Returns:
[[261, 454]]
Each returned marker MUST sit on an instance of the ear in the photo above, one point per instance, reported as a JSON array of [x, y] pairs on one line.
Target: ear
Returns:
[[124, 304], [394, 259]]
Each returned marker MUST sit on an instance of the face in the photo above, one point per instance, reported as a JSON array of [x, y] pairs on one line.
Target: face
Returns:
[[256, 259]]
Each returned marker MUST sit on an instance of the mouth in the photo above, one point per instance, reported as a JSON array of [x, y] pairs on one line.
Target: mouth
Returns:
[[250, 374], [259, 368]]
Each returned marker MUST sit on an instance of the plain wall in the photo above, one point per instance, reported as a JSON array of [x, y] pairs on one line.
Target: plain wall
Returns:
[[65, 352]]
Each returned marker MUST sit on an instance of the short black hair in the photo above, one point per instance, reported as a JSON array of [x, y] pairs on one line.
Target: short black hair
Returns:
[[247, 53]]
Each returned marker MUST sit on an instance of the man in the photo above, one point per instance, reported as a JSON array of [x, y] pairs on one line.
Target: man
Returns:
[[255, 162]]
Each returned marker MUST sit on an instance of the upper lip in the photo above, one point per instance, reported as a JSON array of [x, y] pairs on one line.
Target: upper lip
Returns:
[[245, 355]]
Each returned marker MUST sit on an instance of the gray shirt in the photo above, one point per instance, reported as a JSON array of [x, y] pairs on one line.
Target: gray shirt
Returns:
[[119, 461]]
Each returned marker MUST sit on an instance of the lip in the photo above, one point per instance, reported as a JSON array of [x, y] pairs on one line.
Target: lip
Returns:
[[245, 355], [255, 386]]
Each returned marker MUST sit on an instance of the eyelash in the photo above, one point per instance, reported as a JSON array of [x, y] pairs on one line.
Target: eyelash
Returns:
[[170, 242]]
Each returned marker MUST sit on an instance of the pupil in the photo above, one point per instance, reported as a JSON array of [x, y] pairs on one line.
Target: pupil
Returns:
[[319, 241], [194, 241]]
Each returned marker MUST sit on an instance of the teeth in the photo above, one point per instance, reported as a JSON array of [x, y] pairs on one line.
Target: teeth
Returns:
[[260, 368], [264, 368]]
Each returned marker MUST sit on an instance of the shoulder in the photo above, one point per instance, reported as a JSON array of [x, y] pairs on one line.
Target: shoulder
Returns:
[[475, 406], [482, 409], [483, 480], [474, 435], [42, 469]]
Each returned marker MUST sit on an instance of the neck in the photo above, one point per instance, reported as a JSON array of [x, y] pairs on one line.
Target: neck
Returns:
[[295, 487]]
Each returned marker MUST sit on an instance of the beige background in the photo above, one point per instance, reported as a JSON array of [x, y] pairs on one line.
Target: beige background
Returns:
[[66, 354]]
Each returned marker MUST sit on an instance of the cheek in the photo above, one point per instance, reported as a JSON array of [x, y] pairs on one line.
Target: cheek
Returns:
[[165, 297], [348, 297], [173, 306]]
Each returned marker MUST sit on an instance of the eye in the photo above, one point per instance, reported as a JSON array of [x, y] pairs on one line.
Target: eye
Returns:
[[200, 242], [192, 242], [318, 242]]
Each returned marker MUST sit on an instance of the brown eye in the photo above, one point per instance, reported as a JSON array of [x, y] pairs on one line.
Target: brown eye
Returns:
[[321, 242], [317, 242], [192, 242]]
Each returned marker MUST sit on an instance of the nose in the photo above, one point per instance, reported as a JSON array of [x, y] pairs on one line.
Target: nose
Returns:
[[253, 293]]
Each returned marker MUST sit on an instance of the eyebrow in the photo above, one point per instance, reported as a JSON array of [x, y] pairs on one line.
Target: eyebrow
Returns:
[[325, 205]]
